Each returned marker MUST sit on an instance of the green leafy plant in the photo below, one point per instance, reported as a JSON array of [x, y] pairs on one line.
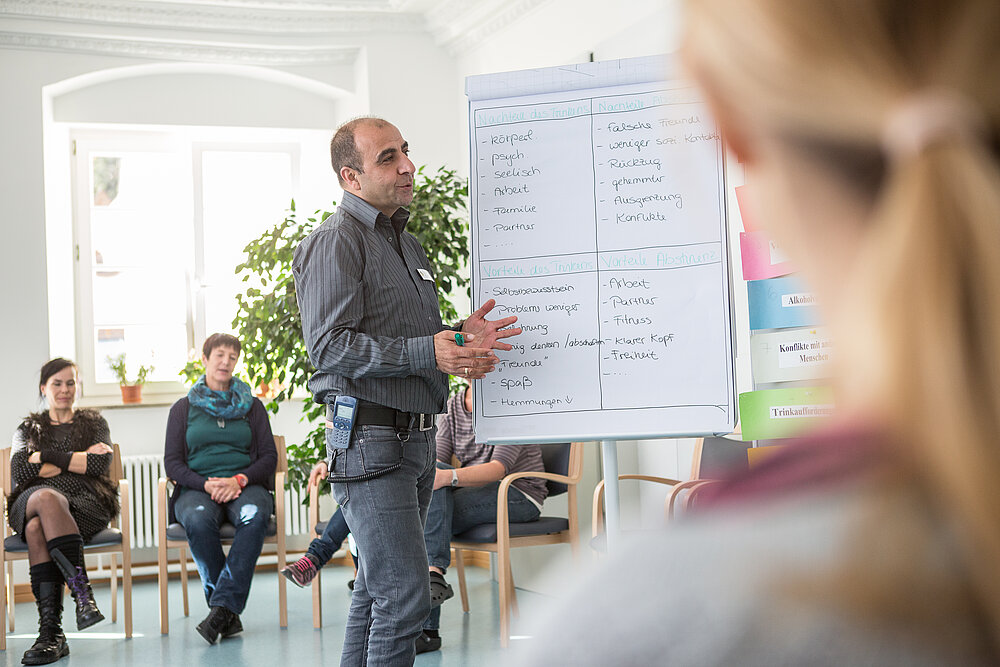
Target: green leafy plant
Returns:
[[268, 322], [192, 370], [118, 366]]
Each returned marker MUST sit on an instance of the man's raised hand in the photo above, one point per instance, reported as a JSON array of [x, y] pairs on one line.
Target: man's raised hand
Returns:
[[487, 333]]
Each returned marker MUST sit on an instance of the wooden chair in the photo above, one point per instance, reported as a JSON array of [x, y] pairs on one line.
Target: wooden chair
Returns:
[[598, 541], [317, 529], [563, 470], [714, 458], [110, 541], [172, 536]]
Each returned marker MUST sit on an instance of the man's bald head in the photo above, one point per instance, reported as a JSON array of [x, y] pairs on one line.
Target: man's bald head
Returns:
[[344, 149]]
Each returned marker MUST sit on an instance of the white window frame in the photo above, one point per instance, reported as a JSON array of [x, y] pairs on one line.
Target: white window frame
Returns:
[[196, 302], [86, 142]]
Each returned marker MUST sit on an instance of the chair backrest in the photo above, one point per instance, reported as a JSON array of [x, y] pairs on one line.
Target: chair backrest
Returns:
[[757, 454], [5, 470], [555, 458], [279, 444], [116, 471], [716, 458]]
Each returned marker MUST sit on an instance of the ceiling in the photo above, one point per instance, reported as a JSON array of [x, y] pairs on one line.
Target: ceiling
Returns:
[[268, 32]]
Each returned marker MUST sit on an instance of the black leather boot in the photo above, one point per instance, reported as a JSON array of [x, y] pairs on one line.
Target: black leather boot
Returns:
[[87, 613], [51, 643]]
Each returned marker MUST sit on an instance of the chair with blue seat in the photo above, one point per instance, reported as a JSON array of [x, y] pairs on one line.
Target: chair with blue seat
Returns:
[[172, 536], [112, 540], [563, 464]]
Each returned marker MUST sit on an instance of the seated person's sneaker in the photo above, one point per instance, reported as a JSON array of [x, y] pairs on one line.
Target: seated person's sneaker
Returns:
[[302, 571], [426, 643]]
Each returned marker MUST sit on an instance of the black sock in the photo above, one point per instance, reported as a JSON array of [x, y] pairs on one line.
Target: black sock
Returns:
[[70, 546], [42, 573], [433, 634]]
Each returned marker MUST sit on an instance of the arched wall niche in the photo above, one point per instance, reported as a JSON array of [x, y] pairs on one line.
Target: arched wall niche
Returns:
[[199, 94]]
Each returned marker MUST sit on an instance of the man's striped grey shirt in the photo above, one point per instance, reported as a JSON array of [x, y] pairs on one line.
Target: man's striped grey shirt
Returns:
[[369, 310]]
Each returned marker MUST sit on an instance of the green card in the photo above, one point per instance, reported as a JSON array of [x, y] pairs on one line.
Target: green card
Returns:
[[783, 413]]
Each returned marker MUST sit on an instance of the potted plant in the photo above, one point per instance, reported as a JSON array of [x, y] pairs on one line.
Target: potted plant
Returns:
[[131, 391], [268, 322]]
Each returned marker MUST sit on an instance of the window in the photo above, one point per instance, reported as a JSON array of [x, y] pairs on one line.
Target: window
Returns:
[[161, 220]]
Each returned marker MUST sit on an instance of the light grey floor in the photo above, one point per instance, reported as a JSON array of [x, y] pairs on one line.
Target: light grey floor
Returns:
[[469, 639]]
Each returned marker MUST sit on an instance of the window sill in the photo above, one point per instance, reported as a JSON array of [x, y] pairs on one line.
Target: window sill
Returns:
[[115, 402], [150, 401]]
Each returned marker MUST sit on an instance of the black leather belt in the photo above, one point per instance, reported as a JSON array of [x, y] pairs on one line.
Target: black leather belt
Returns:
[[379, 415]]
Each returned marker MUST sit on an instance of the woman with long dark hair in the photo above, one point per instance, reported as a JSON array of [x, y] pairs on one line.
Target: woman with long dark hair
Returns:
[[62, 497]]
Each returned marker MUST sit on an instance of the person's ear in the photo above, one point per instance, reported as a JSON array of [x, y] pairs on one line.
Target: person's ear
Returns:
[[350, 177]]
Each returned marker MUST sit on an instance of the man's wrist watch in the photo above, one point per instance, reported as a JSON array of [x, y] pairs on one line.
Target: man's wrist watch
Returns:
[[454, 478], [242, 480]]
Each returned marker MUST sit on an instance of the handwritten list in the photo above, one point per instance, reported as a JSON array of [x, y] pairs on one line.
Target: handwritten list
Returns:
[[599, 221]]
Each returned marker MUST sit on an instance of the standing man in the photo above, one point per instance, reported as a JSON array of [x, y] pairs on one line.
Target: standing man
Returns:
[[373, 329]]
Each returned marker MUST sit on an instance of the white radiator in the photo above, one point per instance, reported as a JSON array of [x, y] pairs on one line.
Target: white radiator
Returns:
[[143, 472]]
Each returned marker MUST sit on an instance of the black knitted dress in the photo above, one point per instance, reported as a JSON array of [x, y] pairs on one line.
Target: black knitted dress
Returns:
[[93, 499]]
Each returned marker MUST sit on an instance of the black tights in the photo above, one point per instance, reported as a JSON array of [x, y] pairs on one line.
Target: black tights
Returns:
[[46, 517]]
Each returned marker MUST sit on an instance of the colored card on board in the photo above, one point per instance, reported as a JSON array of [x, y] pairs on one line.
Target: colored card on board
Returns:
[[790, 355], [783, 413], [746, 214], [762, 258], [781, 303]]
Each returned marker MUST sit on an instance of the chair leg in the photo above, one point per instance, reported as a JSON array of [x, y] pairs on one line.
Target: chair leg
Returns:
[[282, 586], [3, 606], [184, 578], [317, 596], [127, 587], [9, 588], [114, 587], [463, 591], [512, 591], [162, 577], [504, 571]]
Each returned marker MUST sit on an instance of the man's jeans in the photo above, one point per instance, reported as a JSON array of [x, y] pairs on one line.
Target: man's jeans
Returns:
[[324, 546], [226, 579], [386, 516], [454, 511]]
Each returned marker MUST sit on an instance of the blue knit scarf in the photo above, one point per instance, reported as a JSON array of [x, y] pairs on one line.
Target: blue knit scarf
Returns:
[[231, 404]]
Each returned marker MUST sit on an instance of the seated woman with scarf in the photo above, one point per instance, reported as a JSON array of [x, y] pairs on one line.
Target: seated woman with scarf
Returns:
[[220, 453]]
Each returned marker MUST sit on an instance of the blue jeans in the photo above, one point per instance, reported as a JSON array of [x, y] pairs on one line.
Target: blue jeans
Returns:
[[324, 546], [386, 515], [225, 579], [454, 511]]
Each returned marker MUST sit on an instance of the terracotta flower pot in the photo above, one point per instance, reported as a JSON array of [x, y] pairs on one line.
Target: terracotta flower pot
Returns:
[[131, 393]]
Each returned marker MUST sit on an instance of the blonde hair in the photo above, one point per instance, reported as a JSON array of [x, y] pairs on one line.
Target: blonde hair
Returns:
[[824, 75]]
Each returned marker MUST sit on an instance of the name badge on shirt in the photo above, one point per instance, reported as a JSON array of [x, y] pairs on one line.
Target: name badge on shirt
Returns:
[[426, 275]]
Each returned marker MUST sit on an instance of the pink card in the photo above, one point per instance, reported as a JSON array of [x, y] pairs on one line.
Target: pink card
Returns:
[[762, 258], [743, 200]]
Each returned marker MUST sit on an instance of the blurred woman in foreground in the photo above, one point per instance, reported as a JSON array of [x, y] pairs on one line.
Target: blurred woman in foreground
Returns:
[[869, 130]]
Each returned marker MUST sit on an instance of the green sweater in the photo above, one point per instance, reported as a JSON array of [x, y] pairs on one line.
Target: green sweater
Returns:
[[217, 447]]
